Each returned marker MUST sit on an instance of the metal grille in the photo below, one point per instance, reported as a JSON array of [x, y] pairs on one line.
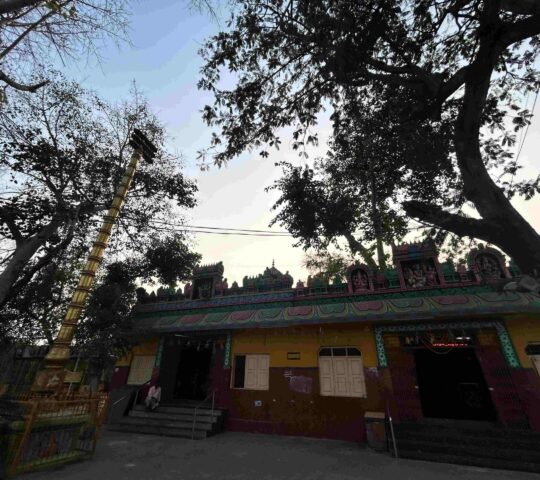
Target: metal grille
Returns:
[[46, 432]]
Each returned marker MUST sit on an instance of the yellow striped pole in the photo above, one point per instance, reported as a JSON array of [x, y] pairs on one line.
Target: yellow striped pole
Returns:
[[52, 377]]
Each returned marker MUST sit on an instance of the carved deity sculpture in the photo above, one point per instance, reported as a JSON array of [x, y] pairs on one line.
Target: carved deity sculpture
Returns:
[[360, 281], [300, 285], [431, 275], [416, 277], [488, 267], [188, 289]]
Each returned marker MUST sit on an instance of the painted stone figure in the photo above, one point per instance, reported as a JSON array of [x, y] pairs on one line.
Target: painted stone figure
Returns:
[[360, 281], [431, 275], [488, 267], [414, 276], [359, 278]]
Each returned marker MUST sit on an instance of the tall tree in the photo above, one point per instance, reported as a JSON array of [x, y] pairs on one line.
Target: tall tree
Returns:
[[462, 62], [64, 152], [355, 190]]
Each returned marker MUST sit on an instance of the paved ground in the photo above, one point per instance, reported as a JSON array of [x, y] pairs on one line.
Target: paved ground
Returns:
[[241, 456]]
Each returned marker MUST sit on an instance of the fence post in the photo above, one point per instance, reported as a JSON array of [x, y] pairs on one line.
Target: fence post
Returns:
[[12, 469]]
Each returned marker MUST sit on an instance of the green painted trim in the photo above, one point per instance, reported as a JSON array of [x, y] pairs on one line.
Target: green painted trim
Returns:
[[504, 339], [507, 346], [227, 354], [319, 301], [159, 353]]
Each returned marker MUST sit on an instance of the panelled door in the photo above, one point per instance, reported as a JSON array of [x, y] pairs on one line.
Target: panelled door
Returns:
[[404, 384], [501, 386]]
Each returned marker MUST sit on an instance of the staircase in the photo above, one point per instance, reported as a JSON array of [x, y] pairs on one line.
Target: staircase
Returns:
[[482, 444], [172, 420]]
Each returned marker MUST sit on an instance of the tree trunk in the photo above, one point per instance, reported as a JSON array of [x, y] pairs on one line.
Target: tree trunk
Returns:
[[24, 251], [501, 224], [357, 247], [376, 218], [506, 228]]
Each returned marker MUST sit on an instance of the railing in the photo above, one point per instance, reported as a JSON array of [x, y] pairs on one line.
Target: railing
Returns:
[[212, 394], [391, 425], [51, 432]]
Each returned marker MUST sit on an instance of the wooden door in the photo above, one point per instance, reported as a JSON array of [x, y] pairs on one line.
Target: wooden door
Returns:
[[404, 384], [325, 376], [501, 386]]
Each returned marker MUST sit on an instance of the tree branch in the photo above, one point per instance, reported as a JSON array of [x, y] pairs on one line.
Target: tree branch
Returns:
[[458, 224], [12, 226], [42, 262], [21, 37], [357, 247], [521, 30], [9, 6], [19, 86], [521, 7]]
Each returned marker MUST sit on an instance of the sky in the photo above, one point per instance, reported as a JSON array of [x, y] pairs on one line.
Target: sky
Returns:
[[163, 60]]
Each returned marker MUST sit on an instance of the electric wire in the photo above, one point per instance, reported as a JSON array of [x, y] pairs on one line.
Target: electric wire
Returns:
[[526, 128]]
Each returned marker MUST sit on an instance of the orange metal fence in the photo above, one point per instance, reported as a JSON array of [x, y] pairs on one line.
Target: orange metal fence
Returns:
[[47, 432]]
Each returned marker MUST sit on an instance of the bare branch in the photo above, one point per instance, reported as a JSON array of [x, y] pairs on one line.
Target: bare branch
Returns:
[[19, 86]]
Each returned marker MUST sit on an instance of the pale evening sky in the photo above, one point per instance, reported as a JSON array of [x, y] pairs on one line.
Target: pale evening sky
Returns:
[[163, 60]]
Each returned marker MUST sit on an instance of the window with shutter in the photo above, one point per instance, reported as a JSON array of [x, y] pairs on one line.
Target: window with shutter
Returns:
[[341, 372], [536, 362], [141, 369], [251, 372], [325, 375], [262, 372]]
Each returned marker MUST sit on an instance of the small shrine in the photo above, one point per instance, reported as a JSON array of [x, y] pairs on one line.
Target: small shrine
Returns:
[[487, 264], [270, 279], [418, 265], [207, 279], [360, 278]]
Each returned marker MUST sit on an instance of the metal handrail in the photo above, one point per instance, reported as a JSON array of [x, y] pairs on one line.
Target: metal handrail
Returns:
[[195, 411], [126, 396], [392, 430], [139, 391]]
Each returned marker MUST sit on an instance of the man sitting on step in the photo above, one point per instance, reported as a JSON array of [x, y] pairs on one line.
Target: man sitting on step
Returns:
[[152, 399]]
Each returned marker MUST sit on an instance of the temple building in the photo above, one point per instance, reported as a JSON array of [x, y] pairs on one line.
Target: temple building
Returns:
[[422, 340]]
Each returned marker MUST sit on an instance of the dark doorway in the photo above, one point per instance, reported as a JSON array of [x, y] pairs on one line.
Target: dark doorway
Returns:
[[192, 377], [452, 385]]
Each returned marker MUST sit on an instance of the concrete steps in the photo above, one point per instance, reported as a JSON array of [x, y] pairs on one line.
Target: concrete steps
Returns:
[[482, 444], [173, 421]]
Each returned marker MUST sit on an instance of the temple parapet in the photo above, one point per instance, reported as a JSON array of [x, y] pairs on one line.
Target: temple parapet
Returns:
[[418, 265], [416, 268]]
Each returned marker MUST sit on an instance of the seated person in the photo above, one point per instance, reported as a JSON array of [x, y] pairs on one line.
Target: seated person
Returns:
[[153, 398]]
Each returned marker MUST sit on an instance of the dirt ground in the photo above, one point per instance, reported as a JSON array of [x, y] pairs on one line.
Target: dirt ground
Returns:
[[242, 456]]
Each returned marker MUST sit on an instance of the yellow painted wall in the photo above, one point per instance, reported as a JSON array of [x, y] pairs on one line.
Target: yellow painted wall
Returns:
[[124, 361], [522, 331], [148, 347], [307, 340]]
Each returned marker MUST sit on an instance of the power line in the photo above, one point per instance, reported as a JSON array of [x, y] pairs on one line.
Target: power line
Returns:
[[220, 228], [239, 233], [526, 129], [223, 231]]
